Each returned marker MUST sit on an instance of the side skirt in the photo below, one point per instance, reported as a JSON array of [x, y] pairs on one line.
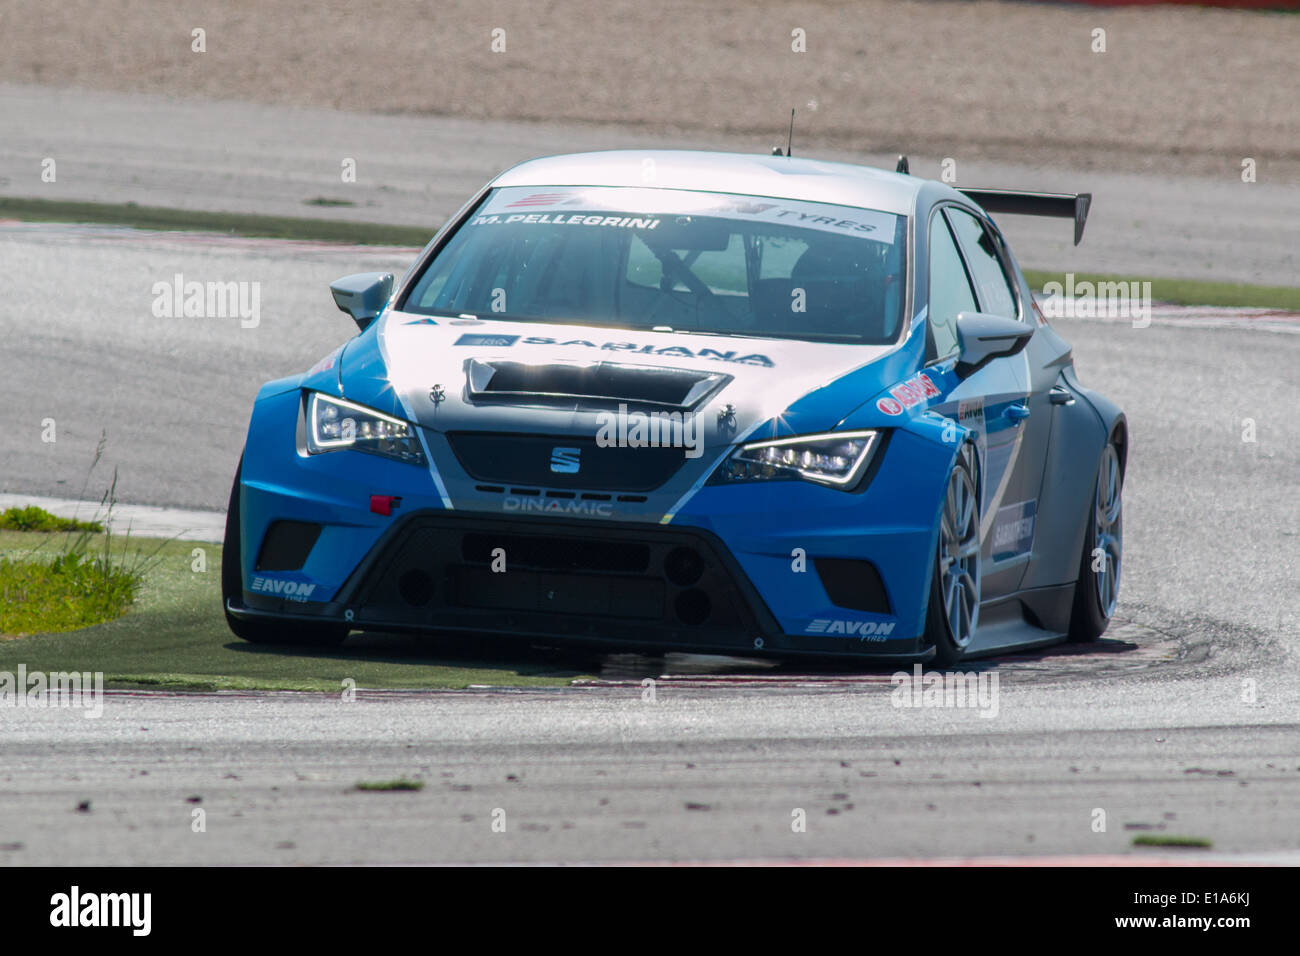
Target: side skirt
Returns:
[[1029, 619]]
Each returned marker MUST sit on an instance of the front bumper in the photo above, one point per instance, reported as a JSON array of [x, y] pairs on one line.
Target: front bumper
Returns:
[[615, 581], [613, 585]]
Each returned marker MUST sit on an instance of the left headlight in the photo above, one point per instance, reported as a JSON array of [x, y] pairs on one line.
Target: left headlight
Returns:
[[334, 424], [837, 459]]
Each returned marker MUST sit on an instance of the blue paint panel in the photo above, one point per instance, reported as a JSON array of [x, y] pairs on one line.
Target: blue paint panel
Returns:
[[893, 524], [826, 407], [364, 374], [332, 489]]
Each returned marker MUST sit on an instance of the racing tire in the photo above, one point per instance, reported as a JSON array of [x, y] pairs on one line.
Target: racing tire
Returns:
[[1096, 591], [262, 632], [952, 612]]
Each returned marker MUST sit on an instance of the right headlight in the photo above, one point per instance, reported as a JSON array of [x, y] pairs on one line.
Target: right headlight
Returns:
[[837, 459], [334, 424]]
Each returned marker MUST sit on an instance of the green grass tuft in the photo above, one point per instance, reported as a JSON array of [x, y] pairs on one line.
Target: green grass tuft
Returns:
[[189, 220], [32, 518], [1155, 839], [399, 784], [70, 591]]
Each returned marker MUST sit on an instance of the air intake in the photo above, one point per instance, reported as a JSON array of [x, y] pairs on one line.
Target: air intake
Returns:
[[853, 584], [287, 545], [605, 382]]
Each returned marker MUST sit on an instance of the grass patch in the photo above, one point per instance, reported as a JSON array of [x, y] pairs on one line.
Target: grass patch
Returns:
[[1154, 839], [400, 784], [63, 593], [1188, 291], [325, 201], [32, 518], [241, 224], [175, 637], [67, 585]]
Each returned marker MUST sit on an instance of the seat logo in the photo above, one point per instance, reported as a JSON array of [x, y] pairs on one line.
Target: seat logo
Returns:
[[564, 461]]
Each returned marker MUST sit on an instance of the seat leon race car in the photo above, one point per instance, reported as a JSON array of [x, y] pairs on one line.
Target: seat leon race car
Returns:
[[691, 401]]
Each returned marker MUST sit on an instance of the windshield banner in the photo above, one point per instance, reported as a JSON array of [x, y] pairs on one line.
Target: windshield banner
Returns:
[[647, 208]]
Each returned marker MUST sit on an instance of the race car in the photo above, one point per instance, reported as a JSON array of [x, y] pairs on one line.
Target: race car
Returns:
[[688, 401]]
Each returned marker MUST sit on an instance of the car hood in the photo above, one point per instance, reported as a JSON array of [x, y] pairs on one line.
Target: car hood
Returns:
[[481, 375]]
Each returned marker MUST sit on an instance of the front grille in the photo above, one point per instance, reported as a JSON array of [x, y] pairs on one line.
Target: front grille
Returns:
[[637, 598], [559, 578], [556, 554], [567, 495], [524, 459]]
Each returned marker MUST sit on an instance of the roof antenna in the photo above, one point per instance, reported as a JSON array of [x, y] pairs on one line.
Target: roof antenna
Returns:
[[776, 150], [902, 166]]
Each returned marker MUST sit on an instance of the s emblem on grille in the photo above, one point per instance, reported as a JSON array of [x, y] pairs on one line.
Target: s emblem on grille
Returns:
[[564, 461]]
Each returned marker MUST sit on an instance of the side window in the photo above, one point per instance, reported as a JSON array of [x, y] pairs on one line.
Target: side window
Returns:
[[950, 290], [995, 293]]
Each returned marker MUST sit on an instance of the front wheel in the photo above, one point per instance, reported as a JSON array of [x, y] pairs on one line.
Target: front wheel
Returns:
[[954, 605], [1097, 590], [262, 632]]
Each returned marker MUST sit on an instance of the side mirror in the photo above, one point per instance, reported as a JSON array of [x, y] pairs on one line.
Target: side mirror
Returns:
[[363, 296], [984, 337]]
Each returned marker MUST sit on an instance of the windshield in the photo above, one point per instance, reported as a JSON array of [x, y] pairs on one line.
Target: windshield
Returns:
[[686, 261]]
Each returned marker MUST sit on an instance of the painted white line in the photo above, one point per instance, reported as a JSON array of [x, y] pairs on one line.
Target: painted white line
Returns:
[[143, 521]]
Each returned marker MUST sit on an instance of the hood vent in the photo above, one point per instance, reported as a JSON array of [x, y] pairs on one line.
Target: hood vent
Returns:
[[600, 382]]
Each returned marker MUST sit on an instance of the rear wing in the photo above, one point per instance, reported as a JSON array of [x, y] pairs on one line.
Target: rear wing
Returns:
[[1063, 205]]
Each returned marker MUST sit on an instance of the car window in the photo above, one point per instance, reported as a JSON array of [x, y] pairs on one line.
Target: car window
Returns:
[[641, 258], [980, 248], [723, 270], [950, 290]]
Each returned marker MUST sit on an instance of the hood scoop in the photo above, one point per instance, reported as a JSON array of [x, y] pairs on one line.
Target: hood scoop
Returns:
[[601, 383]]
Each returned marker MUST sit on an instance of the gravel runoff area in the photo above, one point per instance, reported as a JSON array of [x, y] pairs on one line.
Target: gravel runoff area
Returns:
[[1178, 90]]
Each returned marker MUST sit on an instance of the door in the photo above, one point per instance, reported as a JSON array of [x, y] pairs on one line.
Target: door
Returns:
[[1009, 546], [966, 275]]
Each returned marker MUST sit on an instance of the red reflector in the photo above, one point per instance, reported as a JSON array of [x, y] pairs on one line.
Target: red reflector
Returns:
[[384, 504]]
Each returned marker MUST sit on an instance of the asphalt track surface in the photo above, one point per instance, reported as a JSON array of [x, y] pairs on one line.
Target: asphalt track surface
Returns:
[[1151, 726], [411, 170], [1156, 725]]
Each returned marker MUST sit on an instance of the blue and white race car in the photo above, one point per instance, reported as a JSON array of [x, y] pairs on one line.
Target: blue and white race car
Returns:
[[692, 401]]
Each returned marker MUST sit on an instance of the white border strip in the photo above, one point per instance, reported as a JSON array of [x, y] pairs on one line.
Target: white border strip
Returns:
[[143, 521]]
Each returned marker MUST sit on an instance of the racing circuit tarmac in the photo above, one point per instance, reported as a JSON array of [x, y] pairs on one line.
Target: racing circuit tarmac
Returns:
[[1150, 726]]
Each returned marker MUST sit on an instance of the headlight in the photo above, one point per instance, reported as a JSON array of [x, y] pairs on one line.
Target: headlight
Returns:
[[334, 424], [834, 459]]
